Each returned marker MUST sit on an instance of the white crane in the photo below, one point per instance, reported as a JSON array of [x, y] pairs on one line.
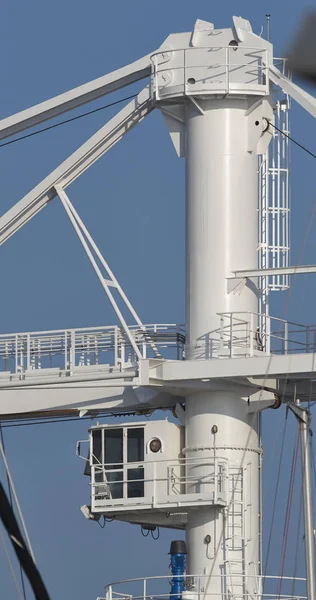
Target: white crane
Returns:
[[214, 88]]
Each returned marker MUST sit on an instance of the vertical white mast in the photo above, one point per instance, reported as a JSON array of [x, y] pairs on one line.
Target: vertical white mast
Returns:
[[221, 226], [221, 108], [214, 89]]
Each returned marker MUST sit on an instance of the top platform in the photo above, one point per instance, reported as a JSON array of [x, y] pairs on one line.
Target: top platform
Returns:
[[212, 62], [204, 72]]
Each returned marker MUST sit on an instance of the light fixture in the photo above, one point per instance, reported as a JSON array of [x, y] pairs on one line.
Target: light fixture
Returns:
[[155, 445]]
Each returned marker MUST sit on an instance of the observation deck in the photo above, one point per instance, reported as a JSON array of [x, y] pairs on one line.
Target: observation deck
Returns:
[[130, 475], [204, 71]]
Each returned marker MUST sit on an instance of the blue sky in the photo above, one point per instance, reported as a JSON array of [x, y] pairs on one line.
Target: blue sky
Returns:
[[133, 203]]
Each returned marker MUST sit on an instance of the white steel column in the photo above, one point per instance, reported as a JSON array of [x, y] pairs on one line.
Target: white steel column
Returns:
[[221, 236], [221, 213]]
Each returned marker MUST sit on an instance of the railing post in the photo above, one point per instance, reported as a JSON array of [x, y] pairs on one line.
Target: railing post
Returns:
[[268, 335], [65, 350], [144, 589], [231, 334], [28, 352], [16, 354], [72, 351], [221, 333], [22, 354], [39, 356], [215, 479], [144, 345], [286, 337], [252, 334], [156, 77], [227, 69], [115, 346], [122, 350], [184, 73], [307, 343]]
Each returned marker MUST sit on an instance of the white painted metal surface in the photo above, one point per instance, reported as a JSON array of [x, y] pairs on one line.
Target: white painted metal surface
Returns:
[[75, 165], [222, 235], [221, 230], [40, 354], [75, 97], [213, 89], [276, 271], [294, 91], [193, 71]]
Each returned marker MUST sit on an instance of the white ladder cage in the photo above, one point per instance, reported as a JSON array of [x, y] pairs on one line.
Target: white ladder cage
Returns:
[[274, 201]]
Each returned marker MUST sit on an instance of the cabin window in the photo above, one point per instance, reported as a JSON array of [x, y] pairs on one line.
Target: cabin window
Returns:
[[118, 461], [135, 454]]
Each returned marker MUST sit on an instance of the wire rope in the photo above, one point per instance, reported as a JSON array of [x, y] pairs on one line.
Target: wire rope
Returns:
[[20, 548], [289, 137], [298, 544], [86, 114], [4, 458], [16, 583], [275, 498], [11, 504], [288, 511]]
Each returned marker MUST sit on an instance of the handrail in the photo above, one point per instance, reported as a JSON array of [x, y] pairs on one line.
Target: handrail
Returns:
[[248, 312], [24, 353], [239, 334], [96, 328], [257, 65], [223, 576], [207, 480], [213, 47], [194, 587], [167, 460]]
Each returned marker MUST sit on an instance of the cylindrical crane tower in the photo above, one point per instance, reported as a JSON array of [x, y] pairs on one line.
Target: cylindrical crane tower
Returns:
[[214, 95]]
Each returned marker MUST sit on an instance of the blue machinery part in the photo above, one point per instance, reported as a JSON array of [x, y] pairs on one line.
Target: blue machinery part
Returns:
[[178, 553]]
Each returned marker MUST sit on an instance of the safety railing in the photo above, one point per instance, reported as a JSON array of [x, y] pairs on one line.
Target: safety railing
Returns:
[[239, 335], [220, 69], [93, 347], [162, 482], [71, 349], [199, 587]]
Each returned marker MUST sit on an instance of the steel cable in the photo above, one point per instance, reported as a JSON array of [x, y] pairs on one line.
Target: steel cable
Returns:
[[90, 112], [22, 552], [11, 504], [275, 498], [288, 511]]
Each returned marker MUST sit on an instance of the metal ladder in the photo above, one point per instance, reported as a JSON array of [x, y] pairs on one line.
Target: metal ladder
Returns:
[[235, 536]]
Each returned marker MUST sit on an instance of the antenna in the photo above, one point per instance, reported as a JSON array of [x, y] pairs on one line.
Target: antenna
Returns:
[[268, 27]]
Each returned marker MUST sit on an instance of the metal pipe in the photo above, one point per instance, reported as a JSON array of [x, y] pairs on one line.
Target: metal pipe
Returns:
[[66, 204], [268, 27], [308, 504]]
